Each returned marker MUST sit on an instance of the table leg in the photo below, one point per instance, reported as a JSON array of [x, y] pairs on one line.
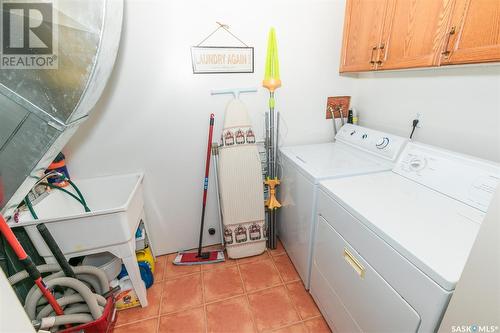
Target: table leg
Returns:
[[136, 280], [146, 226]]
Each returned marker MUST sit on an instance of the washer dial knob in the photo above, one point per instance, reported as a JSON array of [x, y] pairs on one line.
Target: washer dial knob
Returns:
[[382, 143], [417, 163]]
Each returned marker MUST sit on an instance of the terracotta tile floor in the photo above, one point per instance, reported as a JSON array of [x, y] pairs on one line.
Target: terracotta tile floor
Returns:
[[257, 294]]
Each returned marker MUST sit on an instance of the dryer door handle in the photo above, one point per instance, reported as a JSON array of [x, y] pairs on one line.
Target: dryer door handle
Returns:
[[355, 264]]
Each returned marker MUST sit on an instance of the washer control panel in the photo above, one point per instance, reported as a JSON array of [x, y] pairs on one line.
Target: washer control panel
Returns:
[[382, 144], [464, 178]]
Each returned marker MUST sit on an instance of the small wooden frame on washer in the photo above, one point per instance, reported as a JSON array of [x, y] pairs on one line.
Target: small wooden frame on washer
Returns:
[[338, 106]]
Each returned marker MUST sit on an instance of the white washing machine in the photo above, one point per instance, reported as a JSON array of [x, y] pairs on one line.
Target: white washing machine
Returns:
[[390, 247], [357, 150]]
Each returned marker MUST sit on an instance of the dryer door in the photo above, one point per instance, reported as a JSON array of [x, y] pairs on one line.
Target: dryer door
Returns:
[[366, 301]]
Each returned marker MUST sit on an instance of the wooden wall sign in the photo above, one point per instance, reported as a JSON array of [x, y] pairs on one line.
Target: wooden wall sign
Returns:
[[222, 59]]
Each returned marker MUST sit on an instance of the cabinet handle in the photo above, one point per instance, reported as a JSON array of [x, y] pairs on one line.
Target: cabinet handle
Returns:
[[446, 52], [355, 264], [382, 48], [371, 58]]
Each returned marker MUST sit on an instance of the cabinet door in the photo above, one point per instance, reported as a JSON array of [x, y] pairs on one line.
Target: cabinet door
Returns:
[[474, 33], [413, 33], [364, 20]]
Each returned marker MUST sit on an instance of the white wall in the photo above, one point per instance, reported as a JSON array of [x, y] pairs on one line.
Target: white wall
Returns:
[[460, 106], [154, 113], [13, 318], [476, 300]]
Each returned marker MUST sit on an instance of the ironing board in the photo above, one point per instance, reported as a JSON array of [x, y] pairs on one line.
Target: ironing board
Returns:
[[240, 185]]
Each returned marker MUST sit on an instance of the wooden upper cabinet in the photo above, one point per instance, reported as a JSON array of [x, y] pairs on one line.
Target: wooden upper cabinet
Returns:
[[364, 20], [474, 33], [413, 33], [397, 34]]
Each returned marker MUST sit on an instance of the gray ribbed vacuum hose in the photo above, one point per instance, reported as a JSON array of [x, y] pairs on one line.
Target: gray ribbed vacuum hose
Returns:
[[50, 322], [90, 270], [78, 286], [77, 308], [84, 277], [66, 300], [19, 276], [88, 279]]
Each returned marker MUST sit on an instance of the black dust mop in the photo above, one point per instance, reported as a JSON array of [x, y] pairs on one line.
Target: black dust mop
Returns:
[[200, 257]]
